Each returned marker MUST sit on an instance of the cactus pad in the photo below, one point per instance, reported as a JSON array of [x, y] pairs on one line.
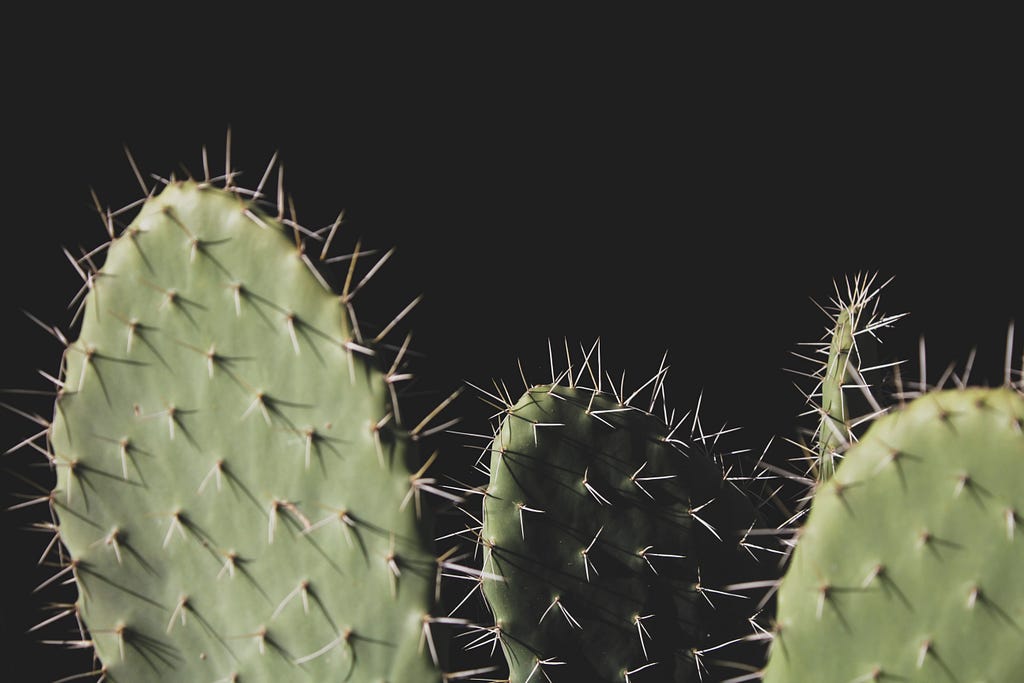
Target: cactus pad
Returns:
[[608, 539], [231, 465], [909, 566]]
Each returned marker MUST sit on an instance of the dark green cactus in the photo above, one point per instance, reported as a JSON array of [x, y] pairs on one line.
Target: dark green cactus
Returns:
[[236, 486], [610, 534]]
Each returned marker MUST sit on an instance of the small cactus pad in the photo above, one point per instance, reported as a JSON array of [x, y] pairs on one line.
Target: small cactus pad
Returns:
[[607, 537], [833, 431], [841, 393], [910, 565], [231, 469]]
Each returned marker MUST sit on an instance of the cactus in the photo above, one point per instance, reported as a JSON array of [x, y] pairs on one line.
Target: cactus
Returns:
[[912, 540], [848, 346], [238, 494], [237, 490], [909, 565], [609, 536]]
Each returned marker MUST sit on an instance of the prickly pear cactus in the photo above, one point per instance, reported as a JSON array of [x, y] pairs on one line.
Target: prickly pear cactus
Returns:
[[235, 485], [609, 537], [909, 566], [841, 401]]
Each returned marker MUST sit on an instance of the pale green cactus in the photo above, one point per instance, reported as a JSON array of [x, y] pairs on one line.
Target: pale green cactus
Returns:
[[236, 487], [908, 568]]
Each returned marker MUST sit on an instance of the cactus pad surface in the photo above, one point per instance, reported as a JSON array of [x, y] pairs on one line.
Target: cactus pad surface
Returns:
[[608, 538], [909, 566], [234, 480]]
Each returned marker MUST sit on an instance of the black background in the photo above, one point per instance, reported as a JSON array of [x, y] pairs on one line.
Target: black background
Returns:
[[663, 183]]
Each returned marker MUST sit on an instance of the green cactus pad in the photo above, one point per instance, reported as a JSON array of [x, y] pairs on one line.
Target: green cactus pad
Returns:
[[607, 537], [910, 565], [841, 396], [231, 470], [833, 430]]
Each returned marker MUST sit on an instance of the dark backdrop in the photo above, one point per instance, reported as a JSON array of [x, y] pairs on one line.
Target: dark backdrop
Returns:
[[663, 191]]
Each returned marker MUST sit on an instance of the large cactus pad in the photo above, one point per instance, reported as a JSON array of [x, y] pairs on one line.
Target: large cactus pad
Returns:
[[230, 468], [910, 565]]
